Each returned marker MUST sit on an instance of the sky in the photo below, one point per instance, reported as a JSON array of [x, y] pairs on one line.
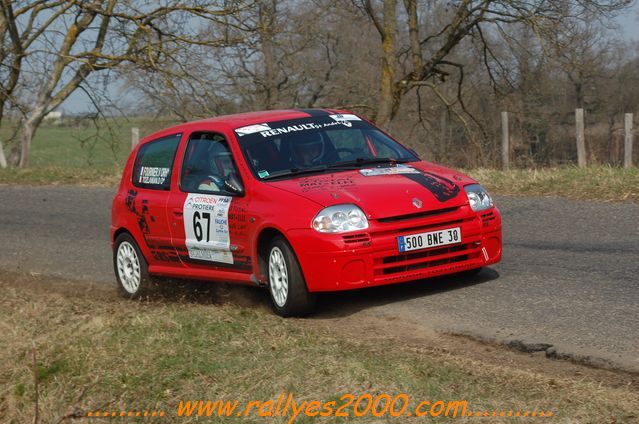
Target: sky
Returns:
[[628, 22]]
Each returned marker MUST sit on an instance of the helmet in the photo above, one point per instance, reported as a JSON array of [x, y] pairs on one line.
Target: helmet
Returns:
[[308, 150]]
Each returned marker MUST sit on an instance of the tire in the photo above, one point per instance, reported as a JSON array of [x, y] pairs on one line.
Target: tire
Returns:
[[131, 269], [287, 288]]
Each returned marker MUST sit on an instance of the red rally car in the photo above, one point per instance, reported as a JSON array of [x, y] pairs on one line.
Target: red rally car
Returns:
[[300, 201]]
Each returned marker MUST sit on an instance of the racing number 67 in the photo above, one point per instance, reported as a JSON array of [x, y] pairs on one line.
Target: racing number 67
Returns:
[[197, 226]]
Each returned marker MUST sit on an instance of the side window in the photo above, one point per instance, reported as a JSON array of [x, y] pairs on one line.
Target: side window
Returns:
[[207, 163], [154, 162]]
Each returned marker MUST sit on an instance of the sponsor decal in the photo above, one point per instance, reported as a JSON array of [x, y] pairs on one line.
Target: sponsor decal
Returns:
[[140, 213], [144, 221], [252, 129], [153, 175], [345, 119], [323, 183], [206, 225], [391, 170], [288, 129], [442, 188], [302, 127]]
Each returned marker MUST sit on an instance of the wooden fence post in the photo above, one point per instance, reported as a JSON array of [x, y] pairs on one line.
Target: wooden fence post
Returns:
[[3, 160], [627, 151], [581, 138], [135, 137], [505, 142]]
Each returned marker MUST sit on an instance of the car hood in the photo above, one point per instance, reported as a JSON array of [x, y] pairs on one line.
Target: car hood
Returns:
[[386, 191]]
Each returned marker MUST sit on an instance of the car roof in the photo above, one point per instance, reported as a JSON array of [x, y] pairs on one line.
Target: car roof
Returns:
[[239, 120]]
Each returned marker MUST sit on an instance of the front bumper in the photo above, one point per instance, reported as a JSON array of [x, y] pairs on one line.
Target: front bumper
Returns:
[[371, 258]]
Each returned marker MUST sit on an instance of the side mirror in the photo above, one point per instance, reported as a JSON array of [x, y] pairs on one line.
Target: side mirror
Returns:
[[233, 184]]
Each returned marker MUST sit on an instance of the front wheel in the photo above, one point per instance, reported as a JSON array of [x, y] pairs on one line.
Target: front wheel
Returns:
[[131, 270], [289, 295]]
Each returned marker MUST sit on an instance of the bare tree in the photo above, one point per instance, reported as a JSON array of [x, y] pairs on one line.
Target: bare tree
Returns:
[[13, 44], [443, 69], [432, 48], [64, 42], [275, 55]]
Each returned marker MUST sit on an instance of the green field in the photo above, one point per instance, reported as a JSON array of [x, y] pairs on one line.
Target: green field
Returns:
[[79, 144], [76, 153]]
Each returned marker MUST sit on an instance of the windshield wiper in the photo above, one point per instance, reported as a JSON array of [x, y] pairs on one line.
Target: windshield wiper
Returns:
[[359, 162], [296, 171]]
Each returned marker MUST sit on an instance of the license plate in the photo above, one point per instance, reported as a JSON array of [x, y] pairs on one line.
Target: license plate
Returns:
[[427, 240]]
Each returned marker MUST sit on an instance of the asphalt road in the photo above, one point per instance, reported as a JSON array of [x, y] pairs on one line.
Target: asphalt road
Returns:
[[569, 277]]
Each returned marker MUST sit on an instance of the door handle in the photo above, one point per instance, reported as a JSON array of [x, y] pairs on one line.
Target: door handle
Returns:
[[178, 213]]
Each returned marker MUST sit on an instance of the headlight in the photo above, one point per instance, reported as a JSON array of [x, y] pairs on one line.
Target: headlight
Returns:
[[478, 197], [340, 219]]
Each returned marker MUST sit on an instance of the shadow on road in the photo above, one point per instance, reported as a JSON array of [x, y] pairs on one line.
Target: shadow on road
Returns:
[[341, 304], [330, 305]]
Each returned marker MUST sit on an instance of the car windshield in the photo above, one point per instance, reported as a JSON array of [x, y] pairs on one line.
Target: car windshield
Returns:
[[288, 148]]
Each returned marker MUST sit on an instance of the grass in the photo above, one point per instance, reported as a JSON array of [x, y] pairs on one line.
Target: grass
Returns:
[[79, 145], [98, 352], [78, 154], [593, 183]]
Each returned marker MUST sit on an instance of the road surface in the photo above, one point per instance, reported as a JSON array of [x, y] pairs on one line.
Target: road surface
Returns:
[[568, 282]]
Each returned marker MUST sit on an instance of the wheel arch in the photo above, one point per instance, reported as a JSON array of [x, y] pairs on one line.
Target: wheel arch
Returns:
[[137, 238], [264, 238], [121, 230]]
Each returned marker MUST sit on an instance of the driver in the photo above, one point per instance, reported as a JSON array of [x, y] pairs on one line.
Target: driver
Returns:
[[213, 180], [308, 151], [211, 183]]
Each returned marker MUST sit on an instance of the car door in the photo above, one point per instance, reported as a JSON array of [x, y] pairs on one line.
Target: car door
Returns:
[[209, 222], [147, 197]]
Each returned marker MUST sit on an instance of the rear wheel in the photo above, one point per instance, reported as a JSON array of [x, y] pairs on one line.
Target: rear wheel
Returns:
[[287, 288], [131, 270]]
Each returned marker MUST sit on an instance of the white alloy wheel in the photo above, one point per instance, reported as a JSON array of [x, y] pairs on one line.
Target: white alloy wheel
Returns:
[[128, 265], [278, 276]]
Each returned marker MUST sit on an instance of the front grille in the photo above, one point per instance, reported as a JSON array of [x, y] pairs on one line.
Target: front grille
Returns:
[[356, 238], [421, 227], [393, 264]]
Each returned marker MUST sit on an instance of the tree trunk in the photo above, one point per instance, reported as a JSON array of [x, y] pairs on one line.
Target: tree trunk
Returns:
[[14, 154], [29, 128], [413, 32], [387, 95], [267, 12], [579, 95], [3, 160]]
